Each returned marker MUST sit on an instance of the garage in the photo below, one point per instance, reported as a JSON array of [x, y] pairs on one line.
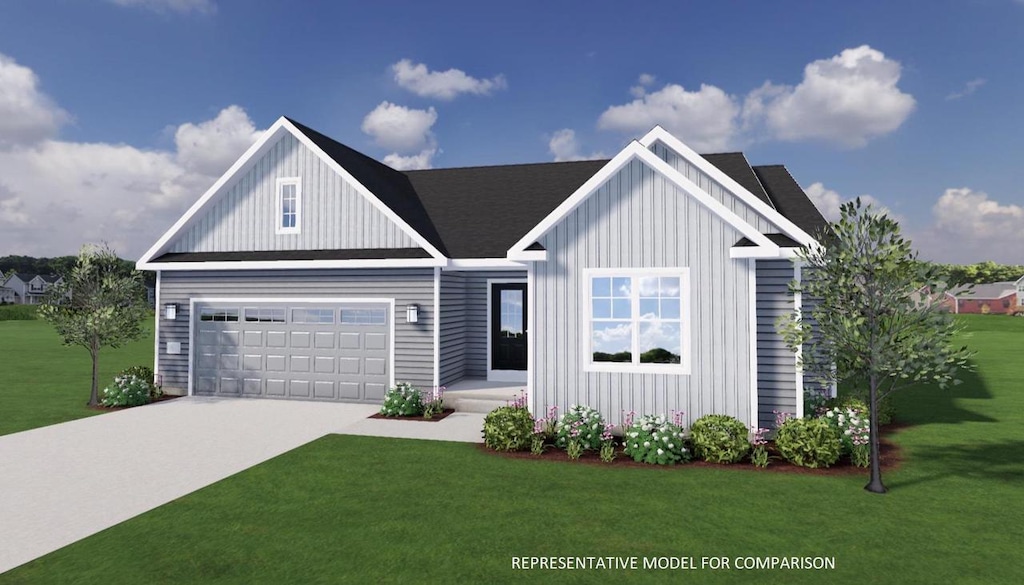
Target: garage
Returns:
[[301, 350]]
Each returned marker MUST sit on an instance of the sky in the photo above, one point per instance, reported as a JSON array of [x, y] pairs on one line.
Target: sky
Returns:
[[116, 115]]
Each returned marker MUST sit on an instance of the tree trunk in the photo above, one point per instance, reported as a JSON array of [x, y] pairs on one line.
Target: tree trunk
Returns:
[[94, 352], [875, 485]]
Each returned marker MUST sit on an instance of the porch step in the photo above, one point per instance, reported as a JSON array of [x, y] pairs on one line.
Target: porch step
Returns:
[[479, 405], [480, 399]]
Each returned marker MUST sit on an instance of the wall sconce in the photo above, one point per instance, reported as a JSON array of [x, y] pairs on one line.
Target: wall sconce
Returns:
[[412, 313], [170, 311]]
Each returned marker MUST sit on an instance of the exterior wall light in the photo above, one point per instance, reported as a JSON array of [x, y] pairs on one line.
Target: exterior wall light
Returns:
[[170, 311], [412, 313]]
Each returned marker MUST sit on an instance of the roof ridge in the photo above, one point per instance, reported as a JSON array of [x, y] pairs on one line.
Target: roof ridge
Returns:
[[554, 162]]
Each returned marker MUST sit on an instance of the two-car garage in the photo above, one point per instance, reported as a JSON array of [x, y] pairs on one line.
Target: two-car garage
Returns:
[[303, 349]]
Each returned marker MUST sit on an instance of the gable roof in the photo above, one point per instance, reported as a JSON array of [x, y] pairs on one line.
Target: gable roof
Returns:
[[991, 290], [789, 199], [736, 166]]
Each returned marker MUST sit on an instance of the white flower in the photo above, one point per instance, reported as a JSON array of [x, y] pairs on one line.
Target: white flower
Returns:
[[829, 414], [647, 444], [660, 452]]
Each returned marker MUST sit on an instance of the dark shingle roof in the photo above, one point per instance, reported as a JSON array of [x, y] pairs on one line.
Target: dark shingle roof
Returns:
[[360, 254], [790, 200], [782, 240], [736, 166]]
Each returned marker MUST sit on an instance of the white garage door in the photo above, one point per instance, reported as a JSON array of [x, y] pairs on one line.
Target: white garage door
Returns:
[[306, 351]]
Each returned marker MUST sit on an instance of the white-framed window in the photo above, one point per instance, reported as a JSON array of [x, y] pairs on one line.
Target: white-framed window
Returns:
[[637, 320], [289, 205]]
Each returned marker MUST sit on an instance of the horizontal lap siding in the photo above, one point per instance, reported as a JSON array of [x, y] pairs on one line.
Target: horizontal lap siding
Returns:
[[453, 327], [414, 355], [334, 215], [638, 219], [776, 364], [713, 188]]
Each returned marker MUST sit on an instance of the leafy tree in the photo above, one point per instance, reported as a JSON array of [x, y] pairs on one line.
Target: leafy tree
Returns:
[[99, 304], [870, 330]]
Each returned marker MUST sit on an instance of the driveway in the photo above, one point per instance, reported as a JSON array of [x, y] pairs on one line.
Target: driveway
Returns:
[[62, 483]]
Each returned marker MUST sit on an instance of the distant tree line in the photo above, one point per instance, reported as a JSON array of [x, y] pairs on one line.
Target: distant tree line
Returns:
[[980, 273], [59, 265]]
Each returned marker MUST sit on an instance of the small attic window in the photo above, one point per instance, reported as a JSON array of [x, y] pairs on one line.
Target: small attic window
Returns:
[[289, 205]]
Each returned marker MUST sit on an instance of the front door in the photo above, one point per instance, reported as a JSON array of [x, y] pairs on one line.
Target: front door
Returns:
[[508, 326]]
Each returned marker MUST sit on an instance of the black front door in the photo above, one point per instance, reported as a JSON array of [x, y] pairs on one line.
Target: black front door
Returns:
[[508, 326]]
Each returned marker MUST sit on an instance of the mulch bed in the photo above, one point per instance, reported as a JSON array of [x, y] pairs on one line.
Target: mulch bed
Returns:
[[443, 414], [163, 398], [891, 458]]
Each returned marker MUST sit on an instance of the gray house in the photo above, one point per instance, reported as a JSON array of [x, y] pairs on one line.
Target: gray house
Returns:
[[648, 282], [28, 289]]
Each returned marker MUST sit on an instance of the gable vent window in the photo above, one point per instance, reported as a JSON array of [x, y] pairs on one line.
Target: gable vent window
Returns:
[[289, 205]]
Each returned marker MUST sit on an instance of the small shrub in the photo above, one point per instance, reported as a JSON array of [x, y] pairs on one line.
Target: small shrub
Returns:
[[402, 400], [18, 312], [543, 431], [434, 404], [853, 426], [653, 439], [809, 442], [719, 438], [509, 428], [145, 373], [581, 423], [759, 452], [607, 452], [859, 400], [127, 390]]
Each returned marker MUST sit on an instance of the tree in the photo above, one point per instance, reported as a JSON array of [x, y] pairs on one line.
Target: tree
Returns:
[[870, 329], [99, 304]]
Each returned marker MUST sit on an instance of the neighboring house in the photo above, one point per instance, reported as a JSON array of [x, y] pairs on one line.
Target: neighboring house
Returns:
[[6, 295], [29, 289], [995, 297], [649, 282]]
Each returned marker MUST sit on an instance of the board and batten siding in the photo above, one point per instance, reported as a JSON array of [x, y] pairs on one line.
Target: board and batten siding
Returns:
[[334, 215], [414, 342], [637, 220], [776, 364], [713, 188]]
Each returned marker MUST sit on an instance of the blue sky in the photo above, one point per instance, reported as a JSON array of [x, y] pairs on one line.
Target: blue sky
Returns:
[[115, 115]]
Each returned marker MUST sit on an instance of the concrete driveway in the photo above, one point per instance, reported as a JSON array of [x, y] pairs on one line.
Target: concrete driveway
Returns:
[[62, 483]]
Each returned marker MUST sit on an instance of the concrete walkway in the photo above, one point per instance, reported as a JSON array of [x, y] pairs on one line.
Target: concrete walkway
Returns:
[[62, 483]]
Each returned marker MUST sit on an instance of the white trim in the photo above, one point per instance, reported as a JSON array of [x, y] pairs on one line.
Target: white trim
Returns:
[[290, 264], [249, 159], [529, 256], [637, 151], [798, 307], [278, 227], [739, 252], [437, 327], [157, 314], [531, 360], [484, 264], [659, 134], [192, 301], [685, 365], [752, 332], [507, 375]]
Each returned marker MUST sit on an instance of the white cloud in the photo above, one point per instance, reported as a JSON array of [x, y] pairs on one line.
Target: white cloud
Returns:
[[163, 6], [413, 162], [209, 148], [704, 119], [828, 201], [27, 115], [971, 87], [442, 85], [400, 128], [970, 227], [564, 147], [12, 209], [847, 99]]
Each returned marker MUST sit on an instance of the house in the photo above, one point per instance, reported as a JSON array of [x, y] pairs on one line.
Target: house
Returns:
[[6, 295], [648, 282], [995, 297], [29, 289]]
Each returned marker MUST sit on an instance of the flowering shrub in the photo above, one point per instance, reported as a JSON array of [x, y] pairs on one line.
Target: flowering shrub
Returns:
[[509, 428], [758, 440], [434, 403], [127, 390], [581, 424], [653, 439], [719, 438], [543, 431], [809, 442], [145, 373], [854, 432], [607, 444], [402, 400]]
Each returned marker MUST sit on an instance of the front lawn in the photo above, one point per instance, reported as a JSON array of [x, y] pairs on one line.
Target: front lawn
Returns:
[[45, 382], [348, 509]]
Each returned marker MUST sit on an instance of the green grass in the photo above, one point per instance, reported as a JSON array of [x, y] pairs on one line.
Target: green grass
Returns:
[[17, 312], [45, 382], [348, 509]]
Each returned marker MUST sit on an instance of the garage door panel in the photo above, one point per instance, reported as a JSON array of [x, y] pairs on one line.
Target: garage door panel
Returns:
[[276, 339], [271, 353]]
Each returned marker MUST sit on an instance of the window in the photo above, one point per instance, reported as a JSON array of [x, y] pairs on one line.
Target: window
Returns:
[[264, 315], [364, 317], [289, 206], [637, 320], [313, 315], [207, 314]]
